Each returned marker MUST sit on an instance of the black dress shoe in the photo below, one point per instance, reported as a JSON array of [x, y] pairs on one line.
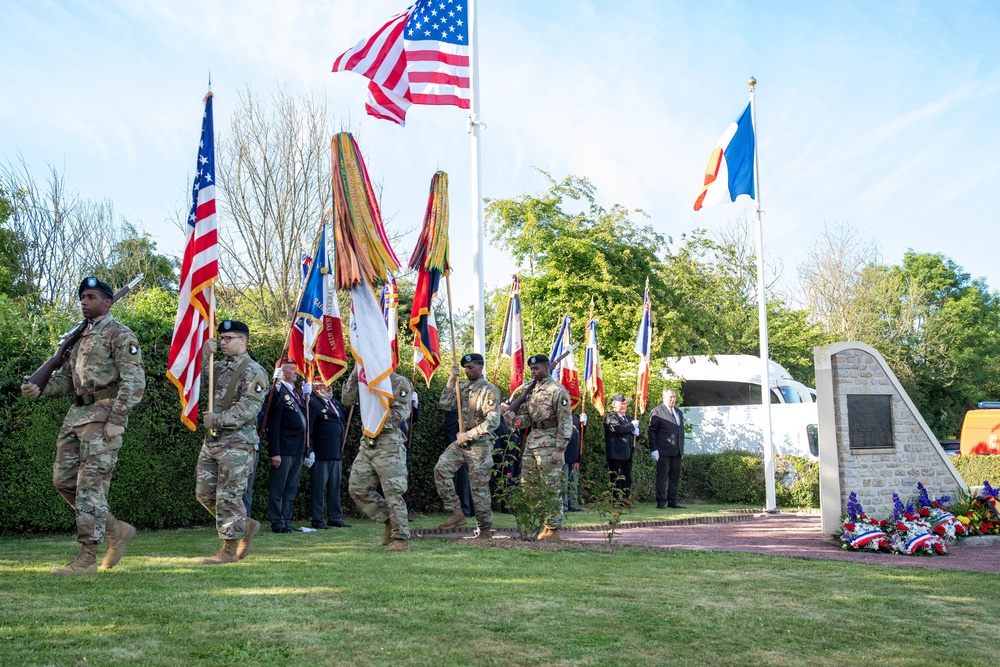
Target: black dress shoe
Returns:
[[661, 507], [281, 529], [321, 526], [677, 507], [337, 523]]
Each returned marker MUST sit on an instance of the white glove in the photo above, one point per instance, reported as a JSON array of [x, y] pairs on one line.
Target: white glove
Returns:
[[583, 419], [656, 455], [309, 460], [635, 423], [307, 388], [277, 373], [414, 401], [635, 429]]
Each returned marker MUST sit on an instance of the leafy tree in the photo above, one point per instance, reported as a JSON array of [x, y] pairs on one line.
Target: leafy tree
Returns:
[[11, 251], [135, 254]]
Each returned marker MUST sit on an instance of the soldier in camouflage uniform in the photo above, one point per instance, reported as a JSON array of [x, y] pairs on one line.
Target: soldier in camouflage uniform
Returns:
[[383, 460], [104, 373], [546, 411], [472, 447], [230, 449]]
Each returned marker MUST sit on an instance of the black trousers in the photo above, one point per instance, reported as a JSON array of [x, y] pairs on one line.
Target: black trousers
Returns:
[[326, 475], [284, 487], [621, 474], [668, 469], [463, 490]]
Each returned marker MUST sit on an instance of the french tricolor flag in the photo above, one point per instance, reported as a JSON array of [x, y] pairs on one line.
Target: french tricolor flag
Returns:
[[730, 169]]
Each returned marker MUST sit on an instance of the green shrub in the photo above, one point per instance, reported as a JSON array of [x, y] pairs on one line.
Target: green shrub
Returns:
[[977, 469], [737, 477]]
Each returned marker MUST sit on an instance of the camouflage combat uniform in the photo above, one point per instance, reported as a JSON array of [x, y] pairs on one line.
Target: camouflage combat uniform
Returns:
[[547, 412], [104, 372], [481, 402], [382, 460], [225, 461]]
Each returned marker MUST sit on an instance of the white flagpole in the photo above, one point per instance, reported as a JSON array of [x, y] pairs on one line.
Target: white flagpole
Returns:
[[765, 374], [473, 128]]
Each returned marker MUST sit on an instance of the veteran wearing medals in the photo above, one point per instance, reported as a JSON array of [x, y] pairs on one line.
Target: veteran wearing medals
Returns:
[[229, 452], [473, 447], [286, 444], [382, 460], [544, 408], [104, 374]]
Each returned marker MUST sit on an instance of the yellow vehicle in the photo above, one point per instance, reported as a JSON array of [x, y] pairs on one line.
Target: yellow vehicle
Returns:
[[981, 430]]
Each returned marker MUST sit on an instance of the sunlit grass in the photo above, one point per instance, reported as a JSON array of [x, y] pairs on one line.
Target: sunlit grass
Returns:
[[333, 598]]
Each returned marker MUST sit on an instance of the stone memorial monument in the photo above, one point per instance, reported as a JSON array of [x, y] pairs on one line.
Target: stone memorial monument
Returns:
[[872, 440]]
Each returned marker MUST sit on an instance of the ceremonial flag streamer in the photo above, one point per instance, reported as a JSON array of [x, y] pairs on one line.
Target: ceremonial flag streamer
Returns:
[[430, 259], [643, 343], [592, 367], [199, 273], [365, 260], [316, 342], [418, 57], [730, 168], [565, 373], [389, 301], [512, 345], [363, 250]]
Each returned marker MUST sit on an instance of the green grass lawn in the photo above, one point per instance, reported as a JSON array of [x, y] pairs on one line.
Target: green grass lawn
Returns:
[[333, 598]]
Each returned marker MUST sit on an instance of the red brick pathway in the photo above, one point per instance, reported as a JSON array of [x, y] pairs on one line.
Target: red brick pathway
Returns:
[[789, 535]]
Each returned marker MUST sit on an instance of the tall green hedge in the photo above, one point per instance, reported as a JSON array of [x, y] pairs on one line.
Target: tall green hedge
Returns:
[[977, 469]]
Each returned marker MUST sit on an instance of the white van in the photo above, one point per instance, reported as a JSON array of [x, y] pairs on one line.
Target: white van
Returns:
[[720, 397]]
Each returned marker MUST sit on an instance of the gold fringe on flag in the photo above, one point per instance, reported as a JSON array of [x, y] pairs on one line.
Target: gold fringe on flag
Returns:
[[431, 250], [362, 247]]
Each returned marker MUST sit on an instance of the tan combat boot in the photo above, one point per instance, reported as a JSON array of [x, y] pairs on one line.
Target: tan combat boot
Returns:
[[387, 535], [227, 554], [84, 563], [484, 534], [246, 542], [549, 535], [456, 519], [398, 545], [119, 534]]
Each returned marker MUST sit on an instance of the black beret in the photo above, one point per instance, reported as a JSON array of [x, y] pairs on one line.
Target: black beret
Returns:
[[232, 326], [538, 359], [618, 397], [473, 357], [97, 285]]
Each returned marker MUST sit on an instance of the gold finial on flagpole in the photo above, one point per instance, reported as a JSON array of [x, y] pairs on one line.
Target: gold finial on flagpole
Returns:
[[751, 81]]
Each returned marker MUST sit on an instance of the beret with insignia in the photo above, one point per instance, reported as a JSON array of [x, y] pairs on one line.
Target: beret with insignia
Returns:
[[235, 327], [618, 397], [538, 359], [473, 357], [93, 283]]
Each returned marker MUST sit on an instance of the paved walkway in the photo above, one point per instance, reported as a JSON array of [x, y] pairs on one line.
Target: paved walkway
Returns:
[[789, 535]]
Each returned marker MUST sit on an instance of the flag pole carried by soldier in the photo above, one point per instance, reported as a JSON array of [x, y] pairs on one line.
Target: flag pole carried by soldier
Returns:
[[99, 364], [479, 401], [544, 406], [231, 443]]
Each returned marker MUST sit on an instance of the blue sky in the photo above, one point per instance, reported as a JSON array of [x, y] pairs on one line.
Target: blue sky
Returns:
[[877, 114]]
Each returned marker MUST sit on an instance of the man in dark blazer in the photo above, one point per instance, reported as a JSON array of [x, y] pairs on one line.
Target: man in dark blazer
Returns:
[[619, 435], [571, 468], [327, 419], [286, 441], [666, 443]]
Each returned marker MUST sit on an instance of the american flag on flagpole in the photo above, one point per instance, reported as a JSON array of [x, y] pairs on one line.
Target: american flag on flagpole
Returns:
[[199, 273], [418, 57], [643, 344]]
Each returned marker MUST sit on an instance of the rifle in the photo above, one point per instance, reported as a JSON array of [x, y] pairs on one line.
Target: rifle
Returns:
[[41, 377], [516, 405]]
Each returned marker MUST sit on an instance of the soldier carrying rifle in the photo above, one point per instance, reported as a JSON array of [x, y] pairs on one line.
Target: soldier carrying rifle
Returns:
[[100, 365]]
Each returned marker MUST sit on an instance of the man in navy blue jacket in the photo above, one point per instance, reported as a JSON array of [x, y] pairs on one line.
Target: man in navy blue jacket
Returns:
[[327, 420], [286, 440]]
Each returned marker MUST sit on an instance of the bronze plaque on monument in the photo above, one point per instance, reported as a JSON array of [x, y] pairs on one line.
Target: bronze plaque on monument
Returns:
[[869, 421]]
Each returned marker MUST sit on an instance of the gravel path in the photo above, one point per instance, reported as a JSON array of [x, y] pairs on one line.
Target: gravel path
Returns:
[[789, 535]]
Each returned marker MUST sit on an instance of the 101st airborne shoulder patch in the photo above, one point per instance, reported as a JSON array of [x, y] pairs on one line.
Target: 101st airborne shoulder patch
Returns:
[[259, 387], [402, 393], [491, 401], [133, 348], [564, 402]]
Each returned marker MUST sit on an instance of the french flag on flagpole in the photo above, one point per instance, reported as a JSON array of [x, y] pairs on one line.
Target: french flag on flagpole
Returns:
[[643, 345], [565, 373], [389, 301], [592, 367], [730, 169], [512, 346]]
